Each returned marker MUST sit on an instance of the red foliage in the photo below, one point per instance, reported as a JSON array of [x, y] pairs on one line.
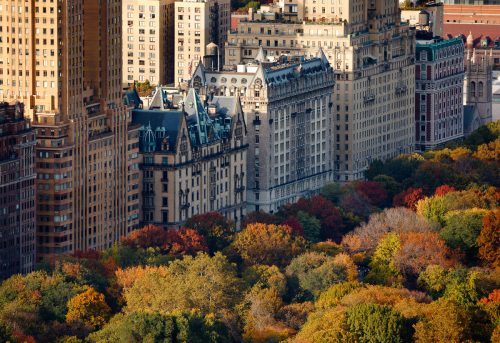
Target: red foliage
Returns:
[[175, 242], [321, 208], [294, 224], [185, 241], [21, 337], [373, 191], [148, 236], [408, 198], [444, 189]]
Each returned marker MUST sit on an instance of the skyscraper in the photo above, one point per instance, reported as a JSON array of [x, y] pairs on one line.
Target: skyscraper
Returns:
[[148, 41], [62, 59], [198, 23], [372, 54], [17, 192]]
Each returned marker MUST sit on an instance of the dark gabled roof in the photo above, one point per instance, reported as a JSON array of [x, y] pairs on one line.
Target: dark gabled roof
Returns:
[[133, 99], [162, 123]]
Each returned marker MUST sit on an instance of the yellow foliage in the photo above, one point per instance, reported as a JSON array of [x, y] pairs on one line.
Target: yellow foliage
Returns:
[[90, 307], [346, 261]]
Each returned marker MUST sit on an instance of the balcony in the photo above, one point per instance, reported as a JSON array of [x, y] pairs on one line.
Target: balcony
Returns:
[[401, 89], [370, 97]]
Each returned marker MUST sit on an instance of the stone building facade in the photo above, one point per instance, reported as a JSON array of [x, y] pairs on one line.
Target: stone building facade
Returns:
[[193, 157], [439, 110], [372, 54], [288, 107], [148, 41], [198, 23], [67, 70], [17, 192], [479, 83]]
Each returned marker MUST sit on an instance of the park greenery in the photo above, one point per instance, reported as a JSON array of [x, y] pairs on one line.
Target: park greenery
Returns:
[[411, 254]]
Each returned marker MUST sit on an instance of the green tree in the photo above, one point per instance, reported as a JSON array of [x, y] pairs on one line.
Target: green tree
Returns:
[[154, 327], [377, 323], [311, 226], [332, 296], [382, 267], [265, 277], [463, 228], [312, 273]]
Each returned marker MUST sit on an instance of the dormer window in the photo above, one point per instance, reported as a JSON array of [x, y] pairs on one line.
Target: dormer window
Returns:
[[423, 55]]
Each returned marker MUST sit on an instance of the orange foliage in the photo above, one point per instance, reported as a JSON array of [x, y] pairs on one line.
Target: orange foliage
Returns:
[[489, 239], [493, 297], [444, 189], [421, 249], [268, 244]]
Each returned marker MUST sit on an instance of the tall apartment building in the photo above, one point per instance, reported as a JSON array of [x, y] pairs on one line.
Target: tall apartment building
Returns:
[[439, 110], [289, 110], [198, 24], [17, 192], [372, 54], [148, 41], [63, 60], [194, 156]]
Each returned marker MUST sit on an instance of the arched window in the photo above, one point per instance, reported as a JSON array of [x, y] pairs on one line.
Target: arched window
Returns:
[[480, 91], [473, 89]]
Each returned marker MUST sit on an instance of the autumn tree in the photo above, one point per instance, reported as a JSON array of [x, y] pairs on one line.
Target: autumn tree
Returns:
[[311, 227], [265, 277], [365, 238], [489, 151], [442, 321], [391, 186], [262, 306], [155, 327], [377, 323], [30, 304], [443, 190], [217, 230], [489, 239], [90, 307], [421, 249], [149, 236], [296, 226], [435, 208], [203, 282], [462, 229], [373, 191], [267, 244], [409, 198], [312, 273], [260, 217], [185, 241], [382, 265], [321, 208]]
